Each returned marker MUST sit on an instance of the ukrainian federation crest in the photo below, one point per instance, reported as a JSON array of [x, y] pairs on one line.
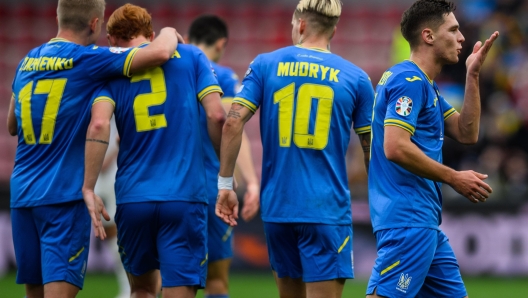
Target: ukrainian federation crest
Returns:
[[404, 106], [403, 283]]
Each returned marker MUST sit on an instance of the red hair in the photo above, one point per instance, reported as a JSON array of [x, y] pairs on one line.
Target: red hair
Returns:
[[130, 21]]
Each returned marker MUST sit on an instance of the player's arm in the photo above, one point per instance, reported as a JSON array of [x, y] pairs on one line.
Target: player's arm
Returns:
[[401, 150], [364, 140], [157, 52], [245, 164], [216, 117], [97, 140], [464, 127], [231, 141], [11, 118]]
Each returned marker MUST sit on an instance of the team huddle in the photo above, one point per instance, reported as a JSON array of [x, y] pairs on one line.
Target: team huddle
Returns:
[[175, 186]]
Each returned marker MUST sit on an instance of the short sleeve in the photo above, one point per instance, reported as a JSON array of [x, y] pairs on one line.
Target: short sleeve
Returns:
[[447, 109], [103, 63], [362, 115], [405, 100], [229, 84], [207, 82], [105, 95], [251, 91]]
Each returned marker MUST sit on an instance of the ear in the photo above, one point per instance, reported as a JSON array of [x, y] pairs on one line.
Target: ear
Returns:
[[333, 33], [220, 44], [112, 41], [93, 24], [428, 36], [152, 36], [302, 26]]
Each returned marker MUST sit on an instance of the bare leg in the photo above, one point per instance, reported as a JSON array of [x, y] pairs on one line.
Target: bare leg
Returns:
[[327, 288], [179, 292], [218, 277], [290, 287], [144, 286], [60, 289], [34, 291]]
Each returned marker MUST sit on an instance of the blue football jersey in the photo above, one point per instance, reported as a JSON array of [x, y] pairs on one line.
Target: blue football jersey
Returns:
[[309, 99], [53, 87], [406, 98], [157, 116], [228, 81]]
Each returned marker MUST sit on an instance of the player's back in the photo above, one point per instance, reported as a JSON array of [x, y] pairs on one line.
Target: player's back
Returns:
[[52, 89], [309, 99], [157, 116], [406, 98]]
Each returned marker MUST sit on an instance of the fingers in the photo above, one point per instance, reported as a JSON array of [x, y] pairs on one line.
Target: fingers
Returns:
[[477, 47], [105, 214], [180, 38], [479, 175], [489, 42]]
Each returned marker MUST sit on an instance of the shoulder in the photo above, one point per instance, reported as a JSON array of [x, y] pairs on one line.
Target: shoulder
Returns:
[[224, 72], [403, 77]]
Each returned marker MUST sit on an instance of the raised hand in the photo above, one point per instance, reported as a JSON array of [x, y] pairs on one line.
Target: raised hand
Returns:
[[227, 206], [476, 59], [251, 202], [470, 184], [96, 209]]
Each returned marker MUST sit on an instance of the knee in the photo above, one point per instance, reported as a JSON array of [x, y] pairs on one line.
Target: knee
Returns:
[[216, 285]]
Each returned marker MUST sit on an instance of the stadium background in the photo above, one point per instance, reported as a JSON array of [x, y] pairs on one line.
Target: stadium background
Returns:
[[489, 239]]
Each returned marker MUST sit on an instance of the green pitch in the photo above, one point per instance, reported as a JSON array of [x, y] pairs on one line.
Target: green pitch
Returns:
[[259, 285]]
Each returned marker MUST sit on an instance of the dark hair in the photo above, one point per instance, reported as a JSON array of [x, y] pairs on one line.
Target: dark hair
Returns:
[[207, 30], [424, 14]]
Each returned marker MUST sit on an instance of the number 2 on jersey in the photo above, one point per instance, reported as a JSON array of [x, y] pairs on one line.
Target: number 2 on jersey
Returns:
[[142, 102], [54, 89], [307, 92]]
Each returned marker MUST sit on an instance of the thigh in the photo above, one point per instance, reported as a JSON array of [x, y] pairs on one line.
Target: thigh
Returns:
[[219, 237], [283, 251], [326, 252], [443, 279], [182, 244], [64, 241], [136, 237], [26, 241], [404, 258]]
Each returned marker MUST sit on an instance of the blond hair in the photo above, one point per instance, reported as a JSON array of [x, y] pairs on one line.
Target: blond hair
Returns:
[[327, 8], [76, 14], [321, 15]]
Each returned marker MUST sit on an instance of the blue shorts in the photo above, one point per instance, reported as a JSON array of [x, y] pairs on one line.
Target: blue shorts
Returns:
[[220, 237], [169, 236], [314, 252], [415, 262], [51, 243]]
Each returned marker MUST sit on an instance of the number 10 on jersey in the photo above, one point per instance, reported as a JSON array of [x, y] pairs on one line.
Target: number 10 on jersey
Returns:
[[306, 94]]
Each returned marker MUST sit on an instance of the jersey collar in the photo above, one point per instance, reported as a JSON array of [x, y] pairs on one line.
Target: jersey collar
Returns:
[[58, 39], [313, 49], [430, 81]]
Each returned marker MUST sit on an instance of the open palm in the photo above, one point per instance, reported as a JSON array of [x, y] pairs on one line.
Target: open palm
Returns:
[[476, 59]]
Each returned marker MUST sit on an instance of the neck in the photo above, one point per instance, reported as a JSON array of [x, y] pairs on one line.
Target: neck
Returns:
[[134, 42], [315, 42], [427, 62], [78, 38], [208, 51]]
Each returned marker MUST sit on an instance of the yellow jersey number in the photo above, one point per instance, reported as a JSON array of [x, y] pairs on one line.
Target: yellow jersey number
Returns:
[[142, 102], [54, 89], [285, 98]]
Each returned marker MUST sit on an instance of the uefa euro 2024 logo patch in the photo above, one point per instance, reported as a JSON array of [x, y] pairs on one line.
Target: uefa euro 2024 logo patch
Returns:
[[404, 106]]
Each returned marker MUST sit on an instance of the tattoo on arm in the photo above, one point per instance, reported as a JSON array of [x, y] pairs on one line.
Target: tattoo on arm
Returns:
[[365, 142], [97, 141], [233, 113]]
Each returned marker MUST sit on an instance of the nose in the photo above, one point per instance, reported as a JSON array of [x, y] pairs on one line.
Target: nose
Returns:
[[461, 38]]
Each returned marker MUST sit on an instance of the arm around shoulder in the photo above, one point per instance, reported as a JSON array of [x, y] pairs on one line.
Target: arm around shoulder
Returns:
[[157, 52]]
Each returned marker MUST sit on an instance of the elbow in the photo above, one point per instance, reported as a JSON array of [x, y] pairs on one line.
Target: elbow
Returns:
[[217, 117], [393, 152], [469, 140], [97, 126], [12, 130]]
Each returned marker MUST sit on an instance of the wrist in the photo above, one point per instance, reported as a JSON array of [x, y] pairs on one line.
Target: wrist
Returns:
[[450, 177], [225, 183]]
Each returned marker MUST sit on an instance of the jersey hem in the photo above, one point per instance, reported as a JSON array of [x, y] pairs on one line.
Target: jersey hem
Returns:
[[45, 202], [146, 199], [324, 221], [403, 226]]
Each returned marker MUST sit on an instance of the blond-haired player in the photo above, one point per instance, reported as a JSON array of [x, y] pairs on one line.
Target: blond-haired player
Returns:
[[309, 100]]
